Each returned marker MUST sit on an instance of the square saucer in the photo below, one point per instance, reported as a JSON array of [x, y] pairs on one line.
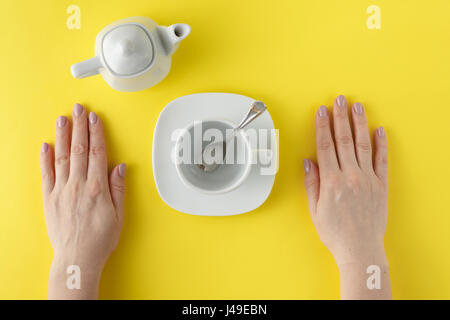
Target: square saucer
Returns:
[[197, 107]]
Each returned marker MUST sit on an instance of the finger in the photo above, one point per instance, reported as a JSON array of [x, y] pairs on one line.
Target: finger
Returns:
[[362, 138], [62, 150], [312, 184], [326, 154], [79, 147], [343, 134], [98, 166], [47, 170], [117, 188], [381, 155]]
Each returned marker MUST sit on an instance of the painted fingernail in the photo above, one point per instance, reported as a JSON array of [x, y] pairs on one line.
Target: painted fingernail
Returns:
[[341, 101], [306, 165], [122, 169], [77, 109], [61, 122], [381, 132], [92, 118], [358, 108], [323, 112], [44, 147]]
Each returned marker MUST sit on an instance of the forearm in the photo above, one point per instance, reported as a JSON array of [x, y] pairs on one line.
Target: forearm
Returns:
[[79, 282], [366, 278]]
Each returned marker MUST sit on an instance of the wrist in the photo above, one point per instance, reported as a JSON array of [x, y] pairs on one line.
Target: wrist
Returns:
[[91, 268], [72, 278], [67, 257], [362, 255], [365, 276]]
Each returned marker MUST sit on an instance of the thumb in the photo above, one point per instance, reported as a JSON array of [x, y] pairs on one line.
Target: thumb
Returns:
[[312, 184], [117, 188]]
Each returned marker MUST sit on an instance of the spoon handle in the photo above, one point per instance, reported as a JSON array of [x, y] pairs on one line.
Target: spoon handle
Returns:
[[258, 107]]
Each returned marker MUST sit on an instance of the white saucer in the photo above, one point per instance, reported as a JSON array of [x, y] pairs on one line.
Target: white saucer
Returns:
[[180, 113]]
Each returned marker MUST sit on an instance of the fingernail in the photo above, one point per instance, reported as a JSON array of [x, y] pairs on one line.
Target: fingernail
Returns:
[[44, 147], [341, 102], [358, 108], [306, 165], [122, 169], [323, 112], [77, 109], [92, 118], [381, 132], [61, 122]]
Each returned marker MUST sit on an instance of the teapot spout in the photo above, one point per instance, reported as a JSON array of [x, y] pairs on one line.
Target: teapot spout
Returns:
[[171, 36]]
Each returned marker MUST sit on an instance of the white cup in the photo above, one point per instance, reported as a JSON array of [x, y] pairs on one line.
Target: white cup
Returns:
[[187, 156]]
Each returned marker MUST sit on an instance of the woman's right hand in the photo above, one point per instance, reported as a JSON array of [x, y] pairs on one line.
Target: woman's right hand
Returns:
[[347, 192]]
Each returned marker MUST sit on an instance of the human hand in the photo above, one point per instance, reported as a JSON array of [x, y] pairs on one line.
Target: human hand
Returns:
[[83, 206], [347, 192]]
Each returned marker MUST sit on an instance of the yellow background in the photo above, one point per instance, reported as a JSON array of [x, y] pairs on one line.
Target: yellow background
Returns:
[[294, 55]]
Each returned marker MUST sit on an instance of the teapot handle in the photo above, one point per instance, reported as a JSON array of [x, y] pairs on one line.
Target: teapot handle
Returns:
[[86, 68]]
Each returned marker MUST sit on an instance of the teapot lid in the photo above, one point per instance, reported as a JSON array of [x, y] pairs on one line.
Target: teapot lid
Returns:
[[127, 49]]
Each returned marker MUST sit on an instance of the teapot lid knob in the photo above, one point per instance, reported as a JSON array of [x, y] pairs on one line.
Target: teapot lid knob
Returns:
[[127, 49]]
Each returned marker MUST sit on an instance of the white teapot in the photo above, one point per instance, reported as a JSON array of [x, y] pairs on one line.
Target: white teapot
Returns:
[[133, 54]]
